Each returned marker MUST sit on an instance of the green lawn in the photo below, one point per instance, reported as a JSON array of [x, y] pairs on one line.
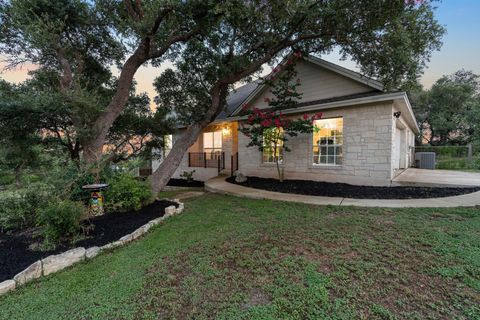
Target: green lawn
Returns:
[[233, 258]]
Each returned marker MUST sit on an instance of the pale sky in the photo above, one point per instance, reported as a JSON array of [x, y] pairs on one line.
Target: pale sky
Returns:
[[461, 48]]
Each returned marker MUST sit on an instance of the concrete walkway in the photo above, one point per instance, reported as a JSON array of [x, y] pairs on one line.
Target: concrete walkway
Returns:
[[219, 185], [437, 178]]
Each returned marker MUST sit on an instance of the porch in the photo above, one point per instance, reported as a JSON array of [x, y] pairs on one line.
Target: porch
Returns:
[[214, 152], [215, 159]]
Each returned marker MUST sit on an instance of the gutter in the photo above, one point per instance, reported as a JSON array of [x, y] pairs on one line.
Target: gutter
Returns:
[[335, 104]]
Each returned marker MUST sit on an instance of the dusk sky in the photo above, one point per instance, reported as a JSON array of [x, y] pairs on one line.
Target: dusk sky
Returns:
[[461, 48]]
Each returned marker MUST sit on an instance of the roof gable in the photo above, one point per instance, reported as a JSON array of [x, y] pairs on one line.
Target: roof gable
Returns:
[[319, 80]]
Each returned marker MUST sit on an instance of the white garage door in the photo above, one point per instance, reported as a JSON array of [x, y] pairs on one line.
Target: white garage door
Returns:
[[396, 149]]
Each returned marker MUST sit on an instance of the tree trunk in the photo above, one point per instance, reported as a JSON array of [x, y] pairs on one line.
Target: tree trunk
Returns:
[[93, 150], [18, 175], [93, 146], [167, 168], [279, 170]]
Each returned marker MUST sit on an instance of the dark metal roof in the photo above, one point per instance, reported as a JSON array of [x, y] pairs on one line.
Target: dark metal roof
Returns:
[[236, 97]]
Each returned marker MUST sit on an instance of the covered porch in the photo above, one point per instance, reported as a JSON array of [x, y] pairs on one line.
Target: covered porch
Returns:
[[215, 152]]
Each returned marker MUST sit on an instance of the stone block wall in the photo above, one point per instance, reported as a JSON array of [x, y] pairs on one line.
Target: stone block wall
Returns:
[[367, 150]]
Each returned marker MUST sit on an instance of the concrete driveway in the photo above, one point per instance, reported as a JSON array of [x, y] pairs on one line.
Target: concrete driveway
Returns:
[[436, 178]]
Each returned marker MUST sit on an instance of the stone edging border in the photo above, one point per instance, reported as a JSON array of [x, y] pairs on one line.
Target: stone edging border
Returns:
[[55, 263]]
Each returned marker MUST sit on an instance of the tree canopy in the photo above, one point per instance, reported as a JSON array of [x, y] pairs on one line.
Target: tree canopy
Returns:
[[449, 112], [213, 44], [390, 40]]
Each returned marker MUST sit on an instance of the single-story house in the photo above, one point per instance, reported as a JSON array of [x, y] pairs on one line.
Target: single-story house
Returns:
[[366, 135]]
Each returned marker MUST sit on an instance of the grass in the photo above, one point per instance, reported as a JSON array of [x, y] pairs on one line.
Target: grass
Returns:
[[233, 258], [462, 164], [172, 194]]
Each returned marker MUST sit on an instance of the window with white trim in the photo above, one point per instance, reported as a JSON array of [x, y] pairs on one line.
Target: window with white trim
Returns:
[[212, 144], [328, 142], [272, 145]]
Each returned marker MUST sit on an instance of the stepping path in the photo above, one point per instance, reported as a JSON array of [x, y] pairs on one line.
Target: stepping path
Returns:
[[219, 185]]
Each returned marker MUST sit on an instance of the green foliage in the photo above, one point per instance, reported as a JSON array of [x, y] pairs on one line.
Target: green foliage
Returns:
[[449, 112], [18, 132], [250, 34], [214, 44], [454, 157], [127, 193], [381, 312], [60, 219], [19, 209], [188, 175], [6, 178]]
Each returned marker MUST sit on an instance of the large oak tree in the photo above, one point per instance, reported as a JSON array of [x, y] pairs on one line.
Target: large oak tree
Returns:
[[449, 112], [213, 43], [390, 40], [80, 41]]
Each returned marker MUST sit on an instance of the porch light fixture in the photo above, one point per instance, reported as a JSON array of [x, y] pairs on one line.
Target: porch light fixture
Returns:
[[226, 131], [397, 114]]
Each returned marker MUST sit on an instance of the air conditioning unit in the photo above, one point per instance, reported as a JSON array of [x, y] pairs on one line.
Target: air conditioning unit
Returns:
[[425, 160]]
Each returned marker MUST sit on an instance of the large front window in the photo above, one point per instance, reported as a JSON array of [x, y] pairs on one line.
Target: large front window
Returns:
[[328, 142], [212, 144], [273, 145]]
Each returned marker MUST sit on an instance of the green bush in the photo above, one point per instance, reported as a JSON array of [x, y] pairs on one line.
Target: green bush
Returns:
[[6, 178], [19, 209], [127, 193], [60, 219]]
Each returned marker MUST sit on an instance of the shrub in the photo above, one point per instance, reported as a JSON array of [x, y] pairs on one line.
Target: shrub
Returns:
[[60, 219], [19, 209], [127, 193], [69, 179], [187, 175], [6, 178]]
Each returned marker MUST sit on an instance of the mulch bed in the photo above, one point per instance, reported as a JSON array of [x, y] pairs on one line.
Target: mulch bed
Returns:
[[343, 190], [16, 253], [185, 183]]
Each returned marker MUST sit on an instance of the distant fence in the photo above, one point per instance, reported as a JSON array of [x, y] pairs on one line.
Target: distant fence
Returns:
[[454, 157]]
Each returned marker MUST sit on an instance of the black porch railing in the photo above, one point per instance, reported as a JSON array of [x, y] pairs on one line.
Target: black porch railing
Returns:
[[207, 160]]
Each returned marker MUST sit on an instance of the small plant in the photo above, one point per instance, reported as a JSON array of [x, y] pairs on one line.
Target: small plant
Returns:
[[127, 193], [188, 175], [60, 220]]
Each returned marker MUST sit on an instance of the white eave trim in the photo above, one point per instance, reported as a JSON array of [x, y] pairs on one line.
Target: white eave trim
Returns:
[[353, 102], [411, 115]]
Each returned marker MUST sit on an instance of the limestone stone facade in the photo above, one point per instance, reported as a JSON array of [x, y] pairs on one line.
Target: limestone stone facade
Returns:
[[379, 129], [367, 150], [369, 133]]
